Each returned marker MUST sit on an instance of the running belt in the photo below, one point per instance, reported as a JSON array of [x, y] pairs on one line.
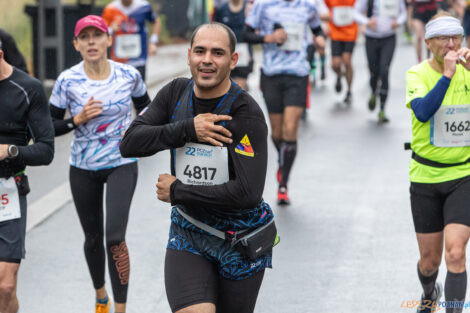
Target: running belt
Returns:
[[432, 163], [233, 237]]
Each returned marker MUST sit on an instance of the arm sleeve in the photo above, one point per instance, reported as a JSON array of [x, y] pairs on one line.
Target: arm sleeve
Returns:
[[360, 8], [12, 55], [246, 189], [151, 131], [41, 152], [139, 95], [250, 36], [140, 103], [424, 108], [61, 126]]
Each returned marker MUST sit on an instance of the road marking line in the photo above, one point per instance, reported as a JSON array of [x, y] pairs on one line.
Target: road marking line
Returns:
[[41, 209]]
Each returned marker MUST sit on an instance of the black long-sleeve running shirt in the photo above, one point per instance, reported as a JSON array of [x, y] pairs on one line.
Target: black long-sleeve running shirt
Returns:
[[152, 132], [24, 113]]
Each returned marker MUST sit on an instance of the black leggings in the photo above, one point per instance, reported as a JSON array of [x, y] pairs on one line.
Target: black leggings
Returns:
[[191, 279], [379, 56], [87, 191]]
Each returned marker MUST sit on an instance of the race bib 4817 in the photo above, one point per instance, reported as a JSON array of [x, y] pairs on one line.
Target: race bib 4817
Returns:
[[200, 164]]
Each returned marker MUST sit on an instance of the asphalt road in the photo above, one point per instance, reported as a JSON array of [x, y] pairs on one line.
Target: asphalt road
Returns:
[[347, 239]]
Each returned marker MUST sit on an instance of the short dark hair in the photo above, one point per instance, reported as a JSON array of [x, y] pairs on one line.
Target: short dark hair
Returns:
[[231, 36]]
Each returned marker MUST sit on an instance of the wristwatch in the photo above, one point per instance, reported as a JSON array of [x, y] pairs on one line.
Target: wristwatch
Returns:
[[12, 151]]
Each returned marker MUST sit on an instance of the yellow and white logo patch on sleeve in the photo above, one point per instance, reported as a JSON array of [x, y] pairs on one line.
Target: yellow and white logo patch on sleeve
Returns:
[[244, 147]]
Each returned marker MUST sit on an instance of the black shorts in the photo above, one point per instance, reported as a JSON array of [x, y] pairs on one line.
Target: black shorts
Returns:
[[10, 260], [242, 72], [280, 91], [435, 205], [192, 279], [12, 236], [340, 47], [423, 16]]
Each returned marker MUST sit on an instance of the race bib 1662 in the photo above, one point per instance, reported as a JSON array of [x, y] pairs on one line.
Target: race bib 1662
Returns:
[[450, 126]]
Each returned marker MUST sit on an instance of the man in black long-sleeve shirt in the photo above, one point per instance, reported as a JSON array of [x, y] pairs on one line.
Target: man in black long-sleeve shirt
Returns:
[[218, 138], [24, 113]]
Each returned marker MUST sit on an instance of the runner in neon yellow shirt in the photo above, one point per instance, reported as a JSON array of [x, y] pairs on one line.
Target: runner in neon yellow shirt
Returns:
[[420, 79], [438, 94]]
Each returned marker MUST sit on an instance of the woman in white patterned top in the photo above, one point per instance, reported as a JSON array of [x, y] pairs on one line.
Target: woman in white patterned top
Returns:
[[98, 94]]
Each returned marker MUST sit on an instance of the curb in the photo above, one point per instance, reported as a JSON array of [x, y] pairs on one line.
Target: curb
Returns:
[[41, 209]]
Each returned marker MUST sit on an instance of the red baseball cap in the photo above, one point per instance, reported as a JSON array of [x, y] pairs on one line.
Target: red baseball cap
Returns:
[[88, 21]]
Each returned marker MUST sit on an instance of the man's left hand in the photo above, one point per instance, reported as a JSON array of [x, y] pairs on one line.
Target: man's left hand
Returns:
[[3, 152], [152, 48], [163, 187]]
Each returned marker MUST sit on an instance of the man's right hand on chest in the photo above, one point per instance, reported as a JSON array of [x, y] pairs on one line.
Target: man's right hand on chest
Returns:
[[207, 131]]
